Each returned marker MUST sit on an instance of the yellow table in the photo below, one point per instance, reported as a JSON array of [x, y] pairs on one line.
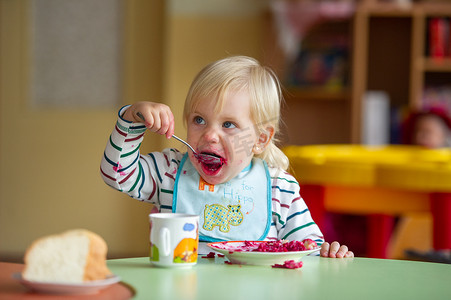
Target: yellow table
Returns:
[[378, 181]]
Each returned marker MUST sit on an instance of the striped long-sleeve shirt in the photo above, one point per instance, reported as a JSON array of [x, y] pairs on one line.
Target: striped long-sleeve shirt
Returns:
[[151, 178]]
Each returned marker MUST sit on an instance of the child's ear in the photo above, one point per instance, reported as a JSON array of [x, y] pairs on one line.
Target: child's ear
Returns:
[[263, 140]]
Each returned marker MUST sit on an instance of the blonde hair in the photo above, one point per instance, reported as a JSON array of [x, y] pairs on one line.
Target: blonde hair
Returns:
[[238, 73]]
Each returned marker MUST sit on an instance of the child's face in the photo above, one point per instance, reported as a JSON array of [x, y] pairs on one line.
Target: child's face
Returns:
[[229, 134], [430, 132]]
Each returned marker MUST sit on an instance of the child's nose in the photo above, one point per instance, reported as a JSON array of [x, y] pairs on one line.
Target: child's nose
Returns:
[[211, 135]]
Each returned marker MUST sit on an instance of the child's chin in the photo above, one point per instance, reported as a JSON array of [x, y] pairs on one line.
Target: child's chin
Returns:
[[213, 178]]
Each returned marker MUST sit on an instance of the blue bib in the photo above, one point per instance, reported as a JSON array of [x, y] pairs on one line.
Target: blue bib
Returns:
[[237, 210]]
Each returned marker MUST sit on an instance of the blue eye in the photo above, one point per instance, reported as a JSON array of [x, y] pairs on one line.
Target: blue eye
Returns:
[[199, 120], [228, 125]]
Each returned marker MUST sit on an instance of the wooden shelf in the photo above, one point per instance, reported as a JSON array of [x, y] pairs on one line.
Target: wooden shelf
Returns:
[[316, 94], [439, 9], [436, 64], [388, 43], [382, 25], [387, 10], [396, 10]]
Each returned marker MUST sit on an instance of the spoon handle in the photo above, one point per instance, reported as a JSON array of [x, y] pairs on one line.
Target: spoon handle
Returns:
[[180, 140]]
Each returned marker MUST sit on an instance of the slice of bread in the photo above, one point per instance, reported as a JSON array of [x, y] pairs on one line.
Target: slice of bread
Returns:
[[74, 256]]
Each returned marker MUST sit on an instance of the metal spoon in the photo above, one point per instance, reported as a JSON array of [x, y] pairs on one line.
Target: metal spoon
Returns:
[[205, 158]]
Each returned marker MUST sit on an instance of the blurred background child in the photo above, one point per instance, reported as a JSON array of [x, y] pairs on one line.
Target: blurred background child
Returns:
[[430, 128]]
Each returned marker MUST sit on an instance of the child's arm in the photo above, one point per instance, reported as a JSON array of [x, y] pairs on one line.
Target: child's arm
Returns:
[[125, 169], [290, 213], [295, 221]]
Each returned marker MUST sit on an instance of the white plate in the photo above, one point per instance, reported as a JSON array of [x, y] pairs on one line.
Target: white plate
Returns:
[[68, 288], [237, 256]]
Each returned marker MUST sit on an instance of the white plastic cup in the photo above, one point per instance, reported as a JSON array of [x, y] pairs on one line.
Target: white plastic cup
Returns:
[[174, 239]]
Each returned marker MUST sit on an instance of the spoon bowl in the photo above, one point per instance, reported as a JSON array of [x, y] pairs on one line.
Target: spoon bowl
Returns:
[[204, 158]]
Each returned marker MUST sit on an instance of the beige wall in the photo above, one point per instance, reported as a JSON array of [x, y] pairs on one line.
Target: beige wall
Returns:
[[49, 159]]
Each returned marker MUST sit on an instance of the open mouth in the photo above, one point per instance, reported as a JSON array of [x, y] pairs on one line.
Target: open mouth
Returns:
[[213, 165]]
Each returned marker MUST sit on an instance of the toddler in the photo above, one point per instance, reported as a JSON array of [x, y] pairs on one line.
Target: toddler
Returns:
[[430, 128], [231, 112]]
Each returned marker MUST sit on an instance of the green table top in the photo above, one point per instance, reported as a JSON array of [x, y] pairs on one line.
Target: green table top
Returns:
[[319, 278]]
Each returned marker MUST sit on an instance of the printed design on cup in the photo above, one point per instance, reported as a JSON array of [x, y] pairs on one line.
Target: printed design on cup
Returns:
[[154, 253], [218, 215], [186, 250]]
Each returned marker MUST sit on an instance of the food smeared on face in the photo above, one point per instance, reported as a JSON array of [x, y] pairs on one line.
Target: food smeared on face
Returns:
[[211, 163]]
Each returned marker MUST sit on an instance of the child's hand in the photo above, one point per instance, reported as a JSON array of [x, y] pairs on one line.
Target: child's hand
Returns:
[[157, 117], [335, 250]]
